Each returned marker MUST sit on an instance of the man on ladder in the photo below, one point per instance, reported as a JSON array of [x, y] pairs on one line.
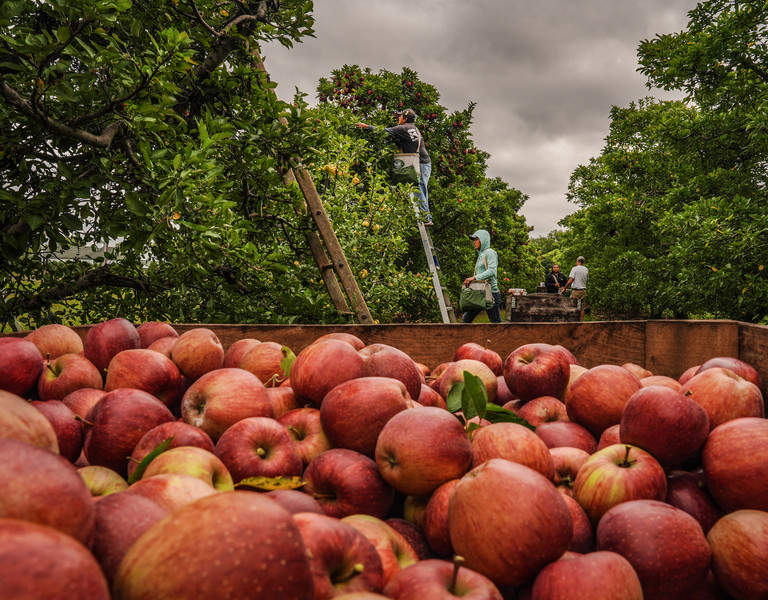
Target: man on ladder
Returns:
[[408, 139], [411, 145]]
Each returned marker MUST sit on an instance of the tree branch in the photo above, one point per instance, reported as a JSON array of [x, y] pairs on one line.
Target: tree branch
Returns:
[[103, 140]]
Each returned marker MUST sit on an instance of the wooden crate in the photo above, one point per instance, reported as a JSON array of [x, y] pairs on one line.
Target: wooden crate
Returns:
[[538, 308], [663, 347]]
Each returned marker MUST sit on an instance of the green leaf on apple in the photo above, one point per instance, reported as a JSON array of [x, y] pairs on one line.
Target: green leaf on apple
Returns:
[[287, 362], [496, 414], [272, 483], [157, 451]]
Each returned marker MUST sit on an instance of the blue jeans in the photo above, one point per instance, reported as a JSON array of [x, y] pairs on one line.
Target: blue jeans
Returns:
[[426, 171], [494, 313]]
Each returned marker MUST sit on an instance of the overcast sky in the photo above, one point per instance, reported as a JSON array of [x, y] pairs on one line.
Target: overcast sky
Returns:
[[544, 73]]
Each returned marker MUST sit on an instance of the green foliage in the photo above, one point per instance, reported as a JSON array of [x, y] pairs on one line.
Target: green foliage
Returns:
[[144, 158], [469, 399], [670, 219]]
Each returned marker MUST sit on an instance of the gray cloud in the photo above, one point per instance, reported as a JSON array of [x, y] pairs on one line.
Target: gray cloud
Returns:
[[544, 73]]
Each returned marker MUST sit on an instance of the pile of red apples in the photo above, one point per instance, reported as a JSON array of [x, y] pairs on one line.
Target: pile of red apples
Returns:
[[140, 463]]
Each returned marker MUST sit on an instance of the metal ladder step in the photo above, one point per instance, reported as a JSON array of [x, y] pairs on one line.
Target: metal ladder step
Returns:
[[443, 298]]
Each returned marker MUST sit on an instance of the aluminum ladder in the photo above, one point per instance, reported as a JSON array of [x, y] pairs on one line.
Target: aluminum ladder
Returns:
[[443, 299]]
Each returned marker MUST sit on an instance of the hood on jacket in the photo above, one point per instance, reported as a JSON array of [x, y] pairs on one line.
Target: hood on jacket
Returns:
[[485, 239]]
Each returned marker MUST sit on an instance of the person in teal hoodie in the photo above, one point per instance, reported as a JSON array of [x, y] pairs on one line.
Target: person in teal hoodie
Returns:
[[485, 270]]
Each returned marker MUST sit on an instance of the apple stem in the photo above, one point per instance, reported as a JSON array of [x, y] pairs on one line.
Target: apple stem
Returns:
[[260, 451], [457, 562], [353, 572], [626, 463], [48, 365], [81, 419], [296, 433]]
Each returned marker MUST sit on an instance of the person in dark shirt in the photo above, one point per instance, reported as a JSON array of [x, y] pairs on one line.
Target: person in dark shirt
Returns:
[[408, 139], [555, 281]]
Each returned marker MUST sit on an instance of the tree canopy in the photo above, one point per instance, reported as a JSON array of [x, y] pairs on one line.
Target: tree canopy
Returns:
[[671, 214], [143, 163]]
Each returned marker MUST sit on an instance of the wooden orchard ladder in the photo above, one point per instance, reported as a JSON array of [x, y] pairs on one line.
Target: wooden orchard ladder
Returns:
[[325, 248]]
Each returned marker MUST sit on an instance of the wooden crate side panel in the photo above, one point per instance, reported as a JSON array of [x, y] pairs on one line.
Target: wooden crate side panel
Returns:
[[674, 346], [753, 349]]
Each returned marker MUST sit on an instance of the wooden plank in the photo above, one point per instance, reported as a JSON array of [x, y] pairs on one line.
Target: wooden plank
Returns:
[[674, 346], [541, 308], [753, 349]]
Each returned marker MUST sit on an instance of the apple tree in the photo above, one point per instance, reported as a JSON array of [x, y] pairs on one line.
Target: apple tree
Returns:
[[671, 218], [462, 198]]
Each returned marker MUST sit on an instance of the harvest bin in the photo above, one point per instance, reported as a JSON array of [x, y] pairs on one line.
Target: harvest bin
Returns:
[[664, 347]]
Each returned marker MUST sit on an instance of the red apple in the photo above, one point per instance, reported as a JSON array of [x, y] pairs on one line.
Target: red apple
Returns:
[[484, 355], [191, 460], [295, 501], [309, 439], [687, 492], [610, 436], [742, 369], [661, 380], [664, 545], [151, 331], [534, 370], [413, 535], [104, 340], [21, 421], [508, 521], [346, 482], [414, 508], [341, 558], [724, 395], [572, 360], [237, 350], [617, 474], [282, 399], [739, 542], [322, 366], [198, 351], [172, 490], [514, 442], [734, 464], [437, 579], [542, 410], [595, 576], [354, 412], [583, 540], [637, 370], [504, 394], [344, 336], [420, 449], [256, 550], [20, 365], [263, 360], [221, 398], [164, 345], [180, 434], [688, 374], [597, 398], [435, 522], [566, 462], [44, 488], [258, 447], [65, 374], [117, 423], [566, 433], [53, 340], [121, 519], [146, 370], [82, 401], [102, 481], [430, 397], [454, 373], [382, 360], [393, 549], [41, 562], [664, 422], [69, 431]]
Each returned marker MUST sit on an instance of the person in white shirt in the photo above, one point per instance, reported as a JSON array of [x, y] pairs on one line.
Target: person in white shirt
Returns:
[[577, 280]]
